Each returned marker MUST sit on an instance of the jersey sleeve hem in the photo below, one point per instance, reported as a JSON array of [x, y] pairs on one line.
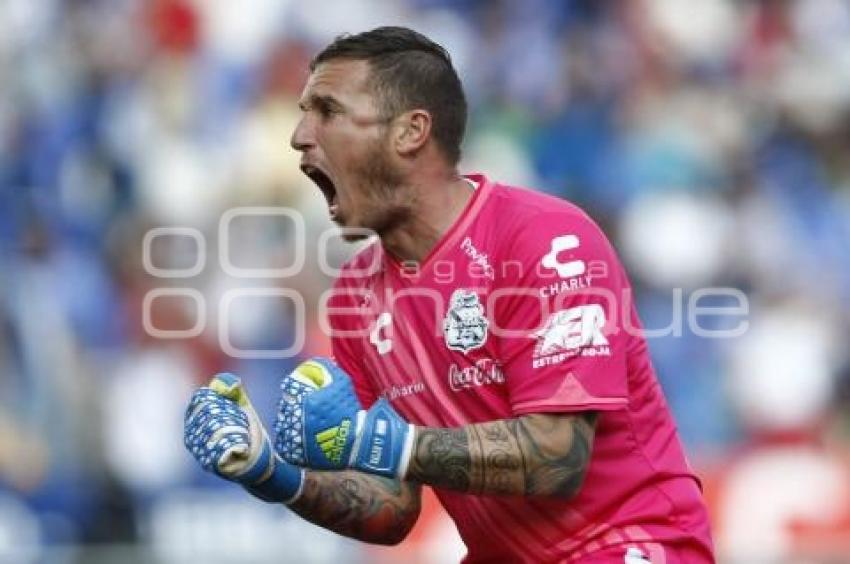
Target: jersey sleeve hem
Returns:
[[600, 404]]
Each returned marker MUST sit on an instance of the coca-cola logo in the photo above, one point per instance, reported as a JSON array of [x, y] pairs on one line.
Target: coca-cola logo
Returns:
[[484, 372]]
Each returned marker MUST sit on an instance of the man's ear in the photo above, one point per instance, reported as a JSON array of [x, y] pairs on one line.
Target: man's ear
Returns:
[[411, 130]]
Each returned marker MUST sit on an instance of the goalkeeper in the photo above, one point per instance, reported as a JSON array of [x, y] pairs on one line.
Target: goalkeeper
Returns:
[[526, 397]]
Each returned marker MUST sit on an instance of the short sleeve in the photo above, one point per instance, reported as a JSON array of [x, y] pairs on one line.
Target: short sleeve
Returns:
[[344, 322], [564, 348]]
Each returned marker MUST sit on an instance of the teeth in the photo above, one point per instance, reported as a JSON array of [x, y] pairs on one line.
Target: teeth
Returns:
[[333, 209]]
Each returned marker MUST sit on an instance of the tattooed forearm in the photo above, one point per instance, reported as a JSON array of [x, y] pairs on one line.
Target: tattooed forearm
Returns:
[[364, 507], [444, 456], [557, 453], [530, 455]]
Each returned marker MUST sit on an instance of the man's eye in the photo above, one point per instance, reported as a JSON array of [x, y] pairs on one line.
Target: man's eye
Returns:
[[326, 111]]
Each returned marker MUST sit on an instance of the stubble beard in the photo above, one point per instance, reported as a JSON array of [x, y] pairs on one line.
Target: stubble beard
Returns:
[[386, 203]]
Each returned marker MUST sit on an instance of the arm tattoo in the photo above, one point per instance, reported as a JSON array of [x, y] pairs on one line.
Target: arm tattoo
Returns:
[[443, 454], [540, 454], [368, 508], [554, 469]]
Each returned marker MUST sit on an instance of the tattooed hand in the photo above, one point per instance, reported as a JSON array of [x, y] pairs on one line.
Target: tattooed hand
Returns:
[[362, 506]]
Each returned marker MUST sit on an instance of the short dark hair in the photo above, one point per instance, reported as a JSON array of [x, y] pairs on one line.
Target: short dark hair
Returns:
[[408, 71]]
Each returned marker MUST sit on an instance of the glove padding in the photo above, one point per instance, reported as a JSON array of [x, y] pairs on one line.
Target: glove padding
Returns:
[[225, 435], [321, 425]]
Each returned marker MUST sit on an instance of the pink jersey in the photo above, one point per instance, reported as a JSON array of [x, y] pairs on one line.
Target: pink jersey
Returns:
[[523, 307]]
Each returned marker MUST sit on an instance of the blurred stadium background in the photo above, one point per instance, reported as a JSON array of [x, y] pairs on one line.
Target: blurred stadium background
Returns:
[[710, 138]]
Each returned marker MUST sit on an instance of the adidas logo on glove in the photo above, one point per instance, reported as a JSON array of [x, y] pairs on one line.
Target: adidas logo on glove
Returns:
[[332, 441]]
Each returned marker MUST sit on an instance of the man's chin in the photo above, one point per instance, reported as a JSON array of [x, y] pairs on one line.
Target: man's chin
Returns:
[[352, 233], [350, 237]]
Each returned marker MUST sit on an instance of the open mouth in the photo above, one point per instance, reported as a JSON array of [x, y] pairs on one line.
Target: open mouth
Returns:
[[326, 185]]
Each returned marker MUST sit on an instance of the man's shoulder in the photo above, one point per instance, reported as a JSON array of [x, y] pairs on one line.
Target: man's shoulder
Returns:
[[529, 200], [520, 207], [522, 214]]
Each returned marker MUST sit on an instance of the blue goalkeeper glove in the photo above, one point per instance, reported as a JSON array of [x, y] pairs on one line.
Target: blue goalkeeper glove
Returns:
[[225, 435], [321, 425]]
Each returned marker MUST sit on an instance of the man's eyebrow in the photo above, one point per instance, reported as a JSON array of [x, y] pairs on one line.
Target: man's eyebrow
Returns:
[[325, 101]]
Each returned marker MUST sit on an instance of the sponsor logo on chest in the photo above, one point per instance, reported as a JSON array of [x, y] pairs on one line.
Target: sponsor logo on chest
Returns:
[[403, 390], [484, 372], [478, 258]]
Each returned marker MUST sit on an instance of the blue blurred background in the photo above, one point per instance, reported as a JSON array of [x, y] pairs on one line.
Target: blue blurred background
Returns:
[[710, 139]]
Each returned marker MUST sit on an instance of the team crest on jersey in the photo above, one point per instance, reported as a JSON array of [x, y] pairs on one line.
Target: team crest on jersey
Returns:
[[465, 325]]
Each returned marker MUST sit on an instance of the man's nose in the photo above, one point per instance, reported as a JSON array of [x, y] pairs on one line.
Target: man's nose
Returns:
[[302, 138]]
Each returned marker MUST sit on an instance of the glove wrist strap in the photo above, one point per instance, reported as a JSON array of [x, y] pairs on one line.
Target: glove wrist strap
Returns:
[[284, 485], [384, 444], [406, 451]]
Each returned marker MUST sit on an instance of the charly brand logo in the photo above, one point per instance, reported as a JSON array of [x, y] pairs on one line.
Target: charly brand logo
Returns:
[[465, 325], [377, 336], [635, 555], [566, 269], [484, 372], [570, 332]]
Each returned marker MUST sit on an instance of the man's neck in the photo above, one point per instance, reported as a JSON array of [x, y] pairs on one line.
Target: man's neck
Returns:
[[437, 206]]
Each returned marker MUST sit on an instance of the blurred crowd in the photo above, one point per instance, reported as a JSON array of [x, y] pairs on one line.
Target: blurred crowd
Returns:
[[709, 138]]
